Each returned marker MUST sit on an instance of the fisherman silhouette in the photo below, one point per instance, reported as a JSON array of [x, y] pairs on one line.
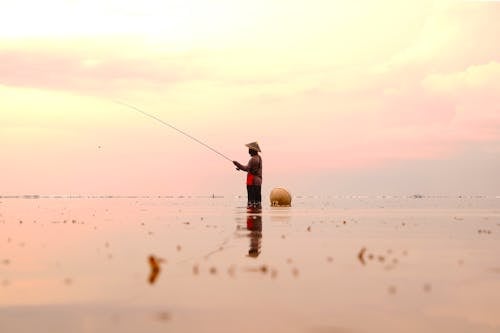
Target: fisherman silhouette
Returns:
[[254, 175]]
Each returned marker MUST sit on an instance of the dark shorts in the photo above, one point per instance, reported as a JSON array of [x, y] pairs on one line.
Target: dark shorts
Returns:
[[254, 194]]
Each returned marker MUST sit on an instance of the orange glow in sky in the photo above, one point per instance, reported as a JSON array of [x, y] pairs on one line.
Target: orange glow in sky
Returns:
[[343, 96]]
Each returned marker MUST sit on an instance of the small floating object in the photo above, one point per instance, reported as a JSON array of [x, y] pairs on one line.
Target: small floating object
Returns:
[[154, 264], [280, 197], [361, 255], [163, 316]]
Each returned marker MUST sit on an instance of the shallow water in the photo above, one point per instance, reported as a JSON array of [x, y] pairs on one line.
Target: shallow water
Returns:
[[331, 264]]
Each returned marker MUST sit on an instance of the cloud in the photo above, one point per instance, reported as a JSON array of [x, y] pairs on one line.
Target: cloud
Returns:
[[483, 79], [89, 71], [313, 94], [404, 114], [455, 34], [474, 92]]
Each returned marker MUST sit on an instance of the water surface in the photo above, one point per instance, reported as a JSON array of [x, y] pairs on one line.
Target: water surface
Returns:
[[327, 264]]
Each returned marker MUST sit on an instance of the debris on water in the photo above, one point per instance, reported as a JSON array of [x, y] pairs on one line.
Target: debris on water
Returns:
[[6, 261], [484, 231], [361, 255], [381, 258], [213, 270], [427, 287], [295, 272], [163, 316], [5, 283], [283, 236], [329, 259], [344, 222], [179, 248], [289, 261], [371, 256], [154, 265], [68, 281], [21, 222], [259, 269], [196, 269], [309, 228], [186, 223], [392, 290], [274, 273]]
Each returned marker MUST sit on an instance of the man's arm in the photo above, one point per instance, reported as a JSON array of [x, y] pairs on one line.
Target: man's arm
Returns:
[[240, 166]]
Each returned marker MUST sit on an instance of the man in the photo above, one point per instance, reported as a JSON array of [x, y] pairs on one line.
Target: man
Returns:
[[254, 175]]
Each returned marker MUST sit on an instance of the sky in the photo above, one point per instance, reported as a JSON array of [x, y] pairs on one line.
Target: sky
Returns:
[[360, 97]]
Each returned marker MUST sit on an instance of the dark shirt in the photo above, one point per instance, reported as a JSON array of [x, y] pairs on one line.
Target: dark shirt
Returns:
[[254, 167]]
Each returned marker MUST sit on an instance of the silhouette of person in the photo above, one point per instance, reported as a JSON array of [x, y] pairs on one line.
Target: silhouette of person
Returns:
[[254, 225], [254, 175]]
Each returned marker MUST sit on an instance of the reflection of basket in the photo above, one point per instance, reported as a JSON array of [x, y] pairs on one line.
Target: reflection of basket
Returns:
[[280, 197]]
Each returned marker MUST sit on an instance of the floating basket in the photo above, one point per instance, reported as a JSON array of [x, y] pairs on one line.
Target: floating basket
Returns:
[[280, 197]]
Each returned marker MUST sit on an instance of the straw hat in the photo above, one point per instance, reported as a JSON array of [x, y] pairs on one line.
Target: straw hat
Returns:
[[253, 146]]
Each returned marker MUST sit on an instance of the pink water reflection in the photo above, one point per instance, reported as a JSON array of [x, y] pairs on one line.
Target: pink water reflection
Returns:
[[226, 269]]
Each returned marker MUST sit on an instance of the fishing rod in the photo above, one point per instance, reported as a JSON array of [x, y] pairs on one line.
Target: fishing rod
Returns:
[[175, 128]]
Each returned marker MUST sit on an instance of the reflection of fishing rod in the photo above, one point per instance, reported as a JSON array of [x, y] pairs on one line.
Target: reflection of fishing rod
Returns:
[[173, 127]]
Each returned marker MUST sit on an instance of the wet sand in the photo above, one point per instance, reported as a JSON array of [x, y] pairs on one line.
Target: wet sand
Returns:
[[209, 265]]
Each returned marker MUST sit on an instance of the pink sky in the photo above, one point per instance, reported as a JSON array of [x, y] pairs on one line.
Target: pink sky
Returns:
[[402, 95]]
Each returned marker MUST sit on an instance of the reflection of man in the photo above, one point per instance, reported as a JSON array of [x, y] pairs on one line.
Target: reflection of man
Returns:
[[254, 225]]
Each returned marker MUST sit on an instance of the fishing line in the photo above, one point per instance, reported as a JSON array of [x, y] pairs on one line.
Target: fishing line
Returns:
[[173, 127]]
